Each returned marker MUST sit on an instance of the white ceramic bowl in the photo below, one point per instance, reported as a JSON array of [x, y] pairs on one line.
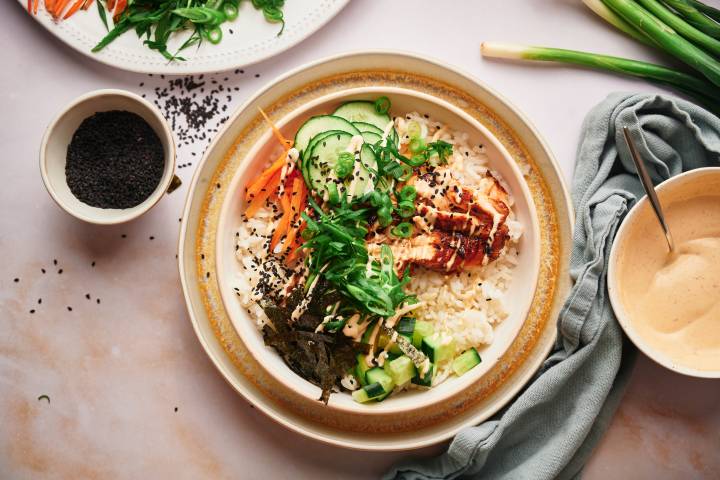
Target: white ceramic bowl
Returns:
[[520, 293], [693, 183], [58, 135]]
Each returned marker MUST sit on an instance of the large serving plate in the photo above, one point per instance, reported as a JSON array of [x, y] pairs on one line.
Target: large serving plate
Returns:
[[212, 184], [520, 292], [252, 39]]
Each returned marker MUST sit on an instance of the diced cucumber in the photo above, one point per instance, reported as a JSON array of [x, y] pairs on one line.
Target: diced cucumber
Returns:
[[363, 111], [368, 127], [425, 380], [383, 340], [438, 347], [401, 370], [371, 137], [466, 361], [422, 330], [379, 375], [361, 369], [406, 326], [319, 124], [368, 392]]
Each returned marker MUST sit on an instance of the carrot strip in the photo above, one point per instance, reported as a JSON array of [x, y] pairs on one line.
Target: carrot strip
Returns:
[[258, 184], [296, 206], [29, 7], [50, 6], [283, 223], [294, 248], [76, 6], [119, 9], [59, 7], [110, 5], [88, 4], [259, 200], [285, 143], [36, 5]]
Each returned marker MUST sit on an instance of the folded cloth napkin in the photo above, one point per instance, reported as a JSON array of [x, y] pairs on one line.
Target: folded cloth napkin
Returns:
[[551, 428]]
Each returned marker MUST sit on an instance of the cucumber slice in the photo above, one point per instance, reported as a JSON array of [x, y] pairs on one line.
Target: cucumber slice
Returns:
[[313, 141], [361, 369], [438, 347], [385, 184], [401, 370], [368, 127], [368, 392], [371, 137], [322, 159], [379, 375], [466, 361], [406, 325], [362, 180], [319, 124], [422, 330], [426, 380], [363, 111]]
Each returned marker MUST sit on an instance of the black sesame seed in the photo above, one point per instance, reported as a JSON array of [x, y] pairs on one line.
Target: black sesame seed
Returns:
[[32, 310], [60, 271], [87, 295], [16, 280], [69, 309]]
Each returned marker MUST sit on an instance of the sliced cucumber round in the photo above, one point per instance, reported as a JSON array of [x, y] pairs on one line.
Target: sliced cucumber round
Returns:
[[363, 111], [363, 178], [319, 124], [371, 137], [368, 127], [311, 144]]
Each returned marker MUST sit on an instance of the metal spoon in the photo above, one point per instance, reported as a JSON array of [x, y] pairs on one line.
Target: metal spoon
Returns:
[[648, 186]]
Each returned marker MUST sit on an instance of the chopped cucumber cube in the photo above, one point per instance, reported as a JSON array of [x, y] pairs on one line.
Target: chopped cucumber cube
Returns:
[[361, 369], [466, 361], [425, 380], [406, 325], [401, 370], [422, 330], [378, 375], [438, 347]]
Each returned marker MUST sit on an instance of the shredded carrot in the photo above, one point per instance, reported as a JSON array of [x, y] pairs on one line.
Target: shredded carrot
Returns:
[[36, 4], [294, 248], [88, 4], [76, 6], [296, 207], [29, 7], [284, 221], [262, 180], [110, 5], [283, 141], [59, 7], [50, 5], [259, 200], [119, 8]]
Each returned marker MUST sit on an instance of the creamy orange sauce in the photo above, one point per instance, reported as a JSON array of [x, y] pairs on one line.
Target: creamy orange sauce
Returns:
[[672, 300]]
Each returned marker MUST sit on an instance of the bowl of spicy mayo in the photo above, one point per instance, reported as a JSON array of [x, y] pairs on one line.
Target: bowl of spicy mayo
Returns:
[[668, 303]]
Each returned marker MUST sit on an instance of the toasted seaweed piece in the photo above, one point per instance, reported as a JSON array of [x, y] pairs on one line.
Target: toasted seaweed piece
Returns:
[[320, 358]]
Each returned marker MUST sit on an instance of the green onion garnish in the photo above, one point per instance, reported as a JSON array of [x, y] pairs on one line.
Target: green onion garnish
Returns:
[[382, 105], [402, 230]]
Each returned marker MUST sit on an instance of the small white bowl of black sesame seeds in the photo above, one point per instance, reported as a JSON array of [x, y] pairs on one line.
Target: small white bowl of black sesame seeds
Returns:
[[108, 157]]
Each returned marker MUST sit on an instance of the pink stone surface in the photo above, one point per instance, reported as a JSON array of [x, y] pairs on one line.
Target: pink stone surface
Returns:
[[131, 392]]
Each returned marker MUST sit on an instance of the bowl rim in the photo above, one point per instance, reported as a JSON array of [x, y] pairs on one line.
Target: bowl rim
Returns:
[[160, 190], [221, 255], [621, 314]]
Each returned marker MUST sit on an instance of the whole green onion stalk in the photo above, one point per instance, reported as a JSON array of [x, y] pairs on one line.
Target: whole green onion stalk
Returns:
[[613, 19], [702, 16], [691, 85]]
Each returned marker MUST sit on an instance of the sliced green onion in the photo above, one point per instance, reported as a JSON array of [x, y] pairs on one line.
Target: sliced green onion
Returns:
[[413, 129], [416, 160], [402, 230], [344, 164], [382, 105], [384, 216], [214, 35], [416, 145], [333, 194], [230, 11], [408, 192], [201, 15], [406, 209]]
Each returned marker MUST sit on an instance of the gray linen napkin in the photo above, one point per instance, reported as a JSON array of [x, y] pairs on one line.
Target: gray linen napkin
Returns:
[[551, 428]]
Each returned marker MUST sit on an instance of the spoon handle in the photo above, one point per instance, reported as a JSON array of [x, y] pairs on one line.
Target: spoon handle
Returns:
[[648, 186]]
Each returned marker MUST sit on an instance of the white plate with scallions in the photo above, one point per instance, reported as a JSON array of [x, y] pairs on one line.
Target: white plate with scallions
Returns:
[[238, 33]]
